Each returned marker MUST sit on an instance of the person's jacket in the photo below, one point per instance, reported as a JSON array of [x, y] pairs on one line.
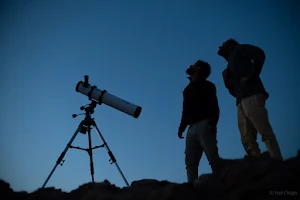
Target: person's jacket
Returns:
[[200, 102], [245, 61]]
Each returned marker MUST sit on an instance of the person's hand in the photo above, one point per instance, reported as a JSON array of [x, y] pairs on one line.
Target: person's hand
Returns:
[[243, 80], [180, 134]]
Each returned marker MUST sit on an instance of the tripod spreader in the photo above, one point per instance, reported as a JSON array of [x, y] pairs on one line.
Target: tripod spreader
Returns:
[[85, 126], [86, 149]]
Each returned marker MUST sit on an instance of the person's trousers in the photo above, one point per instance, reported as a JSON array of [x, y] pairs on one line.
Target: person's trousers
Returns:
[[253, 118], [200, 138]]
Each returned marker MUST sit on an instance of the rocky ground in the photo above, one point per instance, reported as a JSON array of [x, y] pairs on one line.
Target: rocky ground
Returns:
[[247, 178]]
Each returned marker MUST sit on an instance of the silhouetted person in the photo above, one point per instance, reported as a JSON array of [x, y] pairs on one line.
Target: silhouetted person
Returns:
[[242, 79], [201, 112]]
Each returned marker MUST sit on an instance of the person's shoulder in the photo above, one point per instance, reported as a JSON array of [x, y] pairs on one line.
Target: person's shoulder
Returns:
[[187, 87], [210, 84], [244, 47], [247, 49], [241, 46]]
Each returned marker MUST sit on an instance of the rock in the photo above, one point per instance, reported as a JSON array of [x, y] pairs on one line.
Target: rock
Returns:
[[247, 179], [174, 191], [142, 189], [48, 193], [5, 188], [95, 191]]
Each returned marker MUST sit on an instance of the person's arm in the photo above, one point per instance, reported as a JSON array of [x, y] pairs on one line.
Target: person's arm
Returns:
[[213, 100], [256, 55], [227, 84], [183, 124], [230, 88]]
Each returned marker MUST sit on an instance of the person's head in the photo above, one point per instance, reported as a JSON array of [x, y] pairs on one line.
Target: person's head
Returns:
[[199, 71], [226, 48]]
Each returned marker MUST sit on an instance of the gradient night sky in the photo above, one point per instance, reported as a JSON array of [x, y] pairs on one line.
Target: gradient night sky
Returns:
[[138, 51]]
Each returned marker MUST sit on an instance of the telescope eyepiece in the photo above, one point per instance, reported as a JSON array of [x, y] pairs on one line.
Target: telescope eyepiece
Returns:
[[86, 81], [86, 78]]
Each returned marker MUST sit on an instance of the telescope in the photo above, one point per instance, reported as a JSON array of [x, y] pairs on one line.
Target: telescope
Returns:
[[97, 96], [102, 96]]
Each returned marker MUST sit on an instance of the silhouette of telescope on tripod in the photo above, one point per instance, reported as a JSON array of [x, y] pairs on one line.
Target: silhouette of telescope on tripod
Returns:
[[96, 96], [102, 96]]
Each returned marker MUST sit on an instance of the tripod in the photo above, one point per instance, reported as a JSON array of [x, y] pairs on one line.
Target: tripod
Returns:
[[85, 126]]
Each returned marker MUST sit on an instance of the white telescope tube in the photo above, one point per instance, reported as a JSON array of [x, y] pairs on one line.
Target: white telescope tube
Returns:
[[101, 96]]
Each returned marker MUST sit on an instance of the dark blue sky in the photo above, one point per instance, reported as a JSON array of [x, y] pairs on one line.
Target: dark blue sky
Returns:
[[138, 51]]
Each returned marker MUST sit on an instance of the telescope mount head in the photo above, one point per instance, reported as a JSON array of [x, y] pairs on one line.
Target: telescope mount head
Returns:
[[89, 109]]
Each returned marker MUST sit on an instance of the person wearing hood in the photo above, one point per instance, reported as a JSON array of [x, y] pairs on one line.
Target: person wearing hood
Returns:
[[200, 111], [242, 79]]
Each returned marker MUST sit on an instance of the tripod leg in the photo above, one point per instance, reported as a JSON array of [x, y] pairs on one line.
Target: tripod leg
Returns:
[[90, 151], [112, 157], [62, 155]]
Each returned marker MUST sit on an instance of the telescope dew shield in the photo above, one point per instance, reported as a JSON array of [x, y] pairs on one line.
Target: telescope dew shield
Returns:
[[104, 97]]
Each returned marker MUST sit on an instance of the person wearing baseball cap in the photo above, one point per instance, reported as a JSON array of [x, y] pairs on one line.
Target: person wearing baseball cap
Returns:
[[200, 113]]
